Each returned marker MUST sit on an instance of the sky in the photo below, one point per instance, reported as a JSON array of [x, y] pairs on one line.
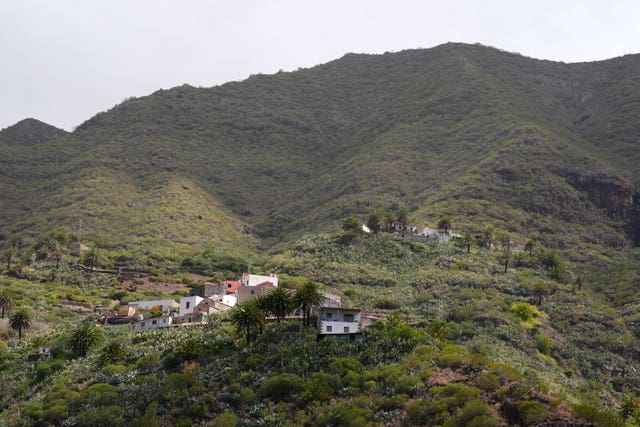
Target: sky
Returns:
[[64, 61]]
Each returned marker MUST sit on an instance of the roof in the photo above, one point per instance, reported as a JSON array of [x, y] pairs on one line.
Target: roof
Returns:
[[266, 285]]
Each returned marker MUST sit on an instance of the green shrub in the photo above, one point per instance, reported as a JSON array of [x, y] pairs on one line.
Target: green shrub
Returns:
[[418, 411], [532, 412], [321, 386], [281, 387], [523, 311], [101, 416], [488, 381], [544, 343], [226, 419]]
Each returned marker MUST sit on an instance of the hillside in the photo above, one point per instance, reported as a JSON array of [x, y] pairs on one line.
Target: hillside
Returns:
[[478, 134]]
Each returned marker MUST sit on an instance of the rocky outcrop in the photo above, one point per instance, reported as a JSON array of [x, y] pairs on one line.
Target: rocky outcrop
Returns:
[[617, 198]]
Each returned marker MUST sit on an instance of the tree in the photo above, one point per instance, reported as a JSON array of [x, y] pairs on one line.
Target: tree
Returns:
[[444, 224], [20, 320], [403, 217], [486, 238], [529, 246], [246, 317], [351, 226], [8, 255], [374, 221], [307, 297], [91, 259], [505, 242], [580, 281], [6, 302], [278, 302], [83, 338], [388, 218], [467, 240]]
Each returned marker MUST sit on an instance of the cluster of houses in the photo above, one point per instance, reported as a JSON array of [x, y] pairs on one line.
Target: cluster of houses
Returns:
[[334, 320], [424, 234]]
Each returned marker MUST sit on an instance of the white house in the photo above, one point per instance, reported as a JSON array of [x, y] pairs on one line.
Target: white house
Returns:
[[255, 279], [339, 322], [164, 305], [330, 300], [152, 323], [187, 304]]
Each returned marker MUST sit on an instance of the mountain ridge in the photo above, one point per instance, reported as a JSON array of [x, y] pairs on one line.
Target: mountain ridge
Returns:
[[294, 151]]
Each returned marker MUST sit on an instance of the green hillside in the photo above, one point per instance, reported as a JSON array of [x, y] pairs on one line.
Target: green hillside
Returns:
[[469, 131]]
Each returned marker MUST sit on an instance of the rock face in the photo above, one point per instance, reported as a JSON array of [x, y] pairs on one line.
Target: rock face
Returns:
[[618, 199]]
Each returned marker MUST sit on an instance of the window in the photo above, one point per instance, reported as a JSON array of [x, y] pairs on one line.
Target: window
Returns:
[[328, 316], [188, 304], [154, 322], [346, 329], [348, 317], [329, 328]]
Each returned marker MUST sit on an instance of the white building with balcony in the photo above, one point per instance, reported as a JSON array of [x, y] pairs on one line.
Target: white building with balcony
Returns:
[[339, 322]]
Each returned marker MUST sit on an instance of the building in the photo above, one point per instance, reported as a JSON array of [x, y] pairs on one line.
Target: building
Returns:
[[246, 293], [188, 304], [165, 305], [255, 280], [340, 323], [228, 287], [152, 323], [329, 300]]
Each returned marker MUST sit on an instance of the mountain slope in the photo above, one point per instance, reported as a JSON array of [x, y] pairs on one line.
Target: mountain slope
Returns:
[[468, 131]]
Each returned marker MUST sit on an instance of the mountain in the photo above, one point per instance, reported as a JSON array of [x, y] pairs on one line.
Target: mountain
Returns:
[[484, 136]]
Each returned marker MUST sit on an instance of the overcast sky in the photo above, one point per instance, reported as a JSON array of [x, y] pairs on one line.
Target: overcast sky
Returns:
[[62, 61]]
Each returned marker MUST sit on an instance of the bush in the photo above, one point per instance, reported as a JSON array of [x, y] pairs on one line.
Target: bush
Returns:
[[226, 419], [532, 412], [544, 343], [321, 386], [523, 311], [281, 387]]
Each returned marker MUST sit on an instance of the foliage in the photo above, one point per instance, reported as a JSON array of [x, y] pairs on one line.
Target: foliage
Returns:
[[83, 338]]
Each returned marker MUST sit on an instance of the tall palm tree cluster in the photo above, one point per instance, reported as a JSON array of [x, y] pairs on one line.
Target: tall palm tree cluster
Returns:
[[249, 317]]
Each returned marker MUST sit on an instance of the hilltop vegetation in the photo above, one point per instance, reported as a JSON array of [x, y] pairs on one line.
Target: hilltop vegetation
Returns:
[[460, 340]]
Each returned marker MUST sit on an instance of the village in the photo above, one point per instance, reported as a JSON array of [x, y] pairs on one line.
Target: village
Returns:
[[214, 298], [334, 320]]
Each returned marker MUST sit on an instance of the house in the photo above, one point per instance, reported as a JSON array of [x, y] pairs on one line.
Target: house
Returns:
[[255, 280], [126, 311], [187, 305], [340, 323], [329, 300], [404, 228], [228, 287], [209, 306], [439, 235], [246, 293], [152, 323], [164, 305]]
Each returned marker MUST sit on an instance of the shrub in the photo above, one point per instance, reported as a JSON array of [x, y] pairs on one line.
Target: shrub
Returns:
[[281, 387], [523, 311], [226, 419], [386, 304], [532, 412], [321, 386], [544, 343], [488, 381], [101, 416], [418, 411]]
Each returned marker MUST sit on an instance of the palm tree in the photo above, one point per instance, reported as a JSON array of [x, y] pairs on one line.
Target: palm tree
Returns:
[[20, 320], [467, 240], [6, 302], [307, 297], [91, 259], [9, 254], [278, 302], [445, 224], [83, 338], [247, 316]]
